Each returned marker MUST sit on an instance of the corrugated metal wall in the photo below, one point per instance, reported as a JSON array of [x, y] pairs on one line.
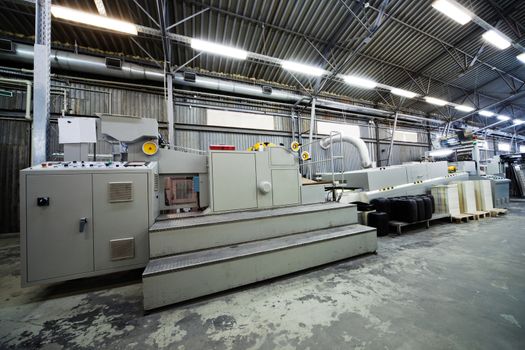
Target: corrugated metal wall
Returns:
[[14, 156], [191, 129]]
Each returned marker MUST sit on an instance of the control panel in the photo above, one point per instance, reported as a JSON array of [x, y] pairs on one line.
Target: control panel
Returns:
[[90, 165]]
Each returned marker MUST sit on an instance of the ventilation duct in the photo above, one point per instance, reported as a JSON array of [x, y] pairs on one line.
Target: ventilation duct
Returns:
[[69, 61], [356, 141]]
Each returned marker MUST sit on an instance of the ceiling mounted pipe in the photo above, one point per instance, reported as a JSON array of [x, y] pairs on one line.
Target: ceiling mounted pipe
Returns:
[[70, 61]]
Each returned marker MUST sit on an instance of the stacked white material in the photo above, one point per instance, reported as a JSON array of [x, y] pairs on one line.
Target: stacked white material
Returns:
[[483, 195], [446, 199], [467, 196]]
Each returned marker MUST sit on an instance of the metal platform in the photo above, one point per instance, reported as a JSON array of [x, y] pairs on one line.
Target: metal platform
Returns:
[[189, 234], [186, 276], [214, 219]]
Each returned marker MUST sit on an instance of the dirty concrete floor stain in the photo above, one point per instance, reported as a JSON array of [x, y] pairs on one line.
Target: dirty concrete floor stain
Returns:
[[449, 287]]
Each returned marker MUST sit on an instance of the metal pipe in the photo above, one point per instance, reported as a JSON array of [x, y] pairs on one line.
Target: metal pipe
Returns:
[[28, 84], [357, 142], [389, 161], [70, 61]]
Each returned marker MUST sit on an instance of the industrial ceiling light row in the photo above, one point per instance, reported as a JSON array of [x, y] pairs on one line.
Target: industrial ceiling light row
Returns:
[[448, 7]]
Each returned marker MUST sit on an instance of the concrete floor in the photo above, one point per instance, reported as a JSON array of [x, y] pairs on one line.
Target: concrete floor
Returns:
[[454, 286]]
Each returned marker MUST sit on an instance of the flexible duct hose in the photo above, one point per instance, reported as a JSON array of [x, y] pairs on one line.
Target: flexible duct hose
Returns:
[[357, 142]]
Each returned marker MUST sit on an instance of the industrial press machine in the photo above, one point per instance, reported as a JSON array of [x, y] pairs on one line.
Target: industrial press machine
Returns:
[[82, 218]]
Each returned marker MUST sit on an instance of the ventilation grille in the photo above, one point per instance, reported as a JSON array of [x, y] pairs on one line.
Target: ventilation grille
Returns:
[[120, 192], [6, 45], [113, 63], [156, 183], [190, 76], [123, 248]]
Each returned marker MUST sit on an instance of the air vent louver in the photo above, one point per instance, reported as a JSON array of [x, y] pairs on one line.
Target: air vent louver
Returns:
[[123, 248], [120, 192]]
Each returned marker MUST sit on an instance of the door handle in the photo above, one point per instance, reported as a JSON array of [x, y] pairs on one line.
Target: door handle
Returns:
[[82, 224]]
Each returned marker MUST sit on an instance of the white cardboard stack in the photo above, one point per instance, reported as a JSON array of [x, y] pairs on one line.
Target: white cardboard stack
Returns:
[[446, 199], [467, 196], [484, 195]]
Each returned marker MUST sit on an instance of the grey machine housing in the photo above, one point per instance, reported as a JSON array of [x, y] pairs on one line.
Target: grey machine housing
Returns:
[[81, 218]]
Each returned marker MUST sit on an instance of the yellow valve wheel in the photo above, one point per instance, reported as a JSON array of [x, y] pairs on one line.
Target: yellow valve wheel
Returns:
[[295, 146], [305, 155], [150, 148]]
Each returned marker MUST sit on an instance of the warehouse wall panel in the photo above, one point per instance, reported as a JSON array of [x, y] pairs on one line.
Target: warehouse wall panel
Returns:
[[14, 156]]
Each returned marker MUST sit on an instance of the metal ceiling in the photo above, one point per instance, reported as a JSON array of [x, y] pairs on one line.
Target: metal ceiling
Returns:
[[413, 47]]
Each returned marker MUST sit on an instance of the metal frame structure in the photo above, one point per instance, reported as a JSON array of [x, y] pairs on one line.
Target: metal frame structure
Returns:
[[333, 52]]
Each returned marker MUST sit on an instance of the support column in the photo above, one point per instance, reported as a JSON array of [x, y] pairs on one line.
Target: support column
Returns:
[[311, 135], [392, 141], [42, 81], [378, 145], [169, 111]]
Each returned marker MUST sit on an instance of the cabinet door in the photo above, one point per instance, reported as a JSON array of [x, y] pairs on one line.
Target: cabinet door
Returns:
[[56, 245], [234, 182], [121, 220]]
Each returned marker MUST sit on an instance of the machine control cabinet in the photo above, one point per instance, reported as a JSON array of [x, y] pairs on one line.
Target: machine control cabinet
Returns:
[[81, 219]]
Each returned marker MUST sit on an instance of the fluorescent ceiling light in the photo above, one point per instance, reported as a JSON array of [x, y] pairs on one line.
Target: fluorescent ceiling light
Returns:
[[521, 57], [435, 101], [503, 118], [452, 10], [403, 93], [464, 108], [440, 152], [93, 20], [221, 50], [486, 113], [360, 82], [497, 39], [302, 68], [518, 121], [505, 147]]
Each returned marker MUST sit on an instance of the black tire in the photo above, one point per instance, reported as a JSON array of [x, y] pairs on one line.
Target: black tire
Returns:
[[433, 203]]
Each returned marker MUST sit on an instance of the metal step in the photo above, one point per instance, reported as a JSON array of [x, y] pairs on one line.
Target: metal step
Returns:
[[186, 276], [183, 235]]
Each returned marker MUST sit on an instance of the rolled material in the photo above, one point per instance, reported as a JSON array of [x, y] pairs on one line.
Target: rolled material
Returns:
[[483, 191], [446, 199]]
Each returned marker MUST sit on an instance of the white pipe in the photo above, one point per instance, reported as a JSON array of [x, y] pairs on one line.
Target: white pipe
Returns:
[[356, 141], [28, 84]]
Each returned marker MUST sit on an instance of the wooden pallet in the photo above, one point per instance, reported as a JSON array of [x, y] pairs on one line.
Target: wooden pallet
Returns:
[[458, 218], [480, 214], [497, 211], [400, 224]]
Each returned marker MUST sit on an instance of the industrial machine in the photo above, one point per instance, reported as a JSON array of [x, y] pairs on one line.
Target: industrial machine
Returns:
[[80, 219], [200, 221], [393, 181]]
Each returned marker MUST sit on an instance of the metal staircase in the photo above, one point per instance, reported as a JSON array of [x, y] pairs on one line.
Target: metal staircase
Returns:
[[195, 256]]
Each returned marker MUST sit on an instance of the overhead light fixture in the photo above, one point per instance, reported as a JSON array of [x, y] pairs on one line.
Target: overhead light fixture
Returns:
[[503, 118], [441, 152], [403, 93], [359, 82], [94, 20], [217, 49], [464, 108], [452, 10], [302, 68], [496, 39], [486, 113], [521, 57], [518, 121], [435, 101]]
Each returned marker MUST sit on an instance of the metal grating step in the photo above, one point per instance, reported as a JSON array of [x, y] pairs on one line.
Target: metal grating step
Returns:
[[214, 219], [216, 255]]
